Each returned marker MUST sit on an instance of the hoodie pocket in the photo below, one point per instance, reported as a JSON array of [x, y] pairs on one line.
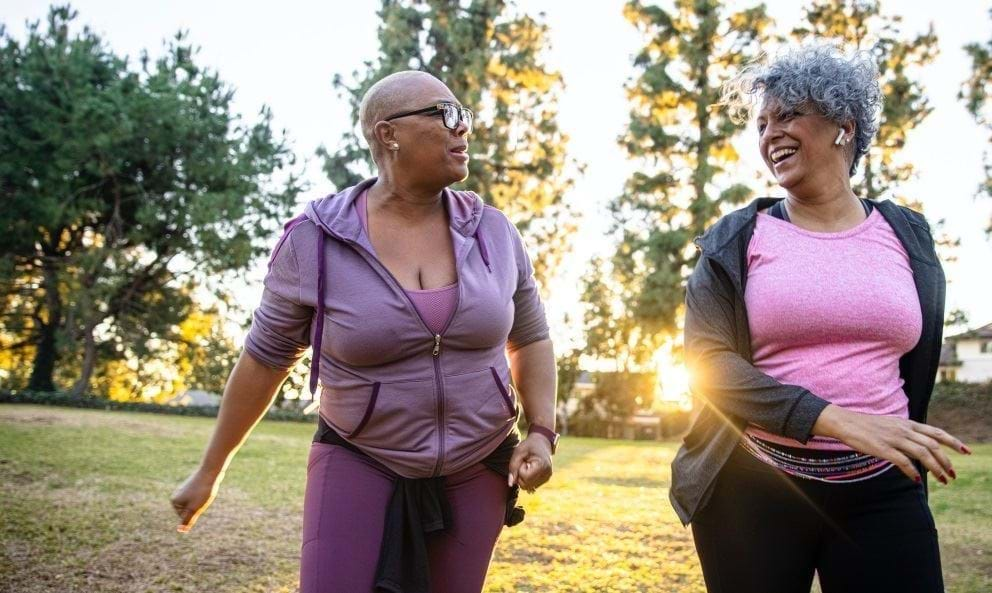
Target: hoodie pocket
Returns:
[[399, 416], [477, 405], [382, 415], [369, 409], [510, 407]]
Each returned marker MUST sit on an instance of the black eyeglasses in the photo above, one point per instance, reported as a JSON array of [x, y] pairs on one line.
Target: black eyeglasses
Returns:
[[450, 114]]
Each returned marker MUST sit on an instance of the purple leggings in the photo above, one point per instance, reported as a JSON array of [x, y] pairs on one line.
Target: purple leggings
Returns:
[[345, 508]]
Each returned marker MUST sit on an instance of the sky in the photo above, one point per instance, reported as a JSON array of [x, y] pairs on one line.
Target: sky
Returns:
[[286, 54]]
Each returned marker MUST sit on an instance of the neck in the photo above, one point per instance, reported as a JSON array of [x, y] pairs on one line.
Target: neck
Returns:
[[405, 200], [834, 207]]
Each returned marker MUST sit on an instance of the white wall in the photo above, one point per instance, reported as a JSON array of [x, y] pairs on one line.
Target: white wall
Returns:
[[976, 366]]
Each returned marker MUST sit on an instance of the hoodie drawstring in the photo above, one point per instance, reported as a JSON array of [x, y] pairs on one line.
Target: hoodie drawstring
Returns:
[[482, 248], [318, 338]]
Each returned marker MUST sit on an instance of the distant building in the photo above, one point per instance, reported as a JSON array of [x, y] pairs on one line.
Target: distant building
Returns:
[[967, 357], [195, 397]]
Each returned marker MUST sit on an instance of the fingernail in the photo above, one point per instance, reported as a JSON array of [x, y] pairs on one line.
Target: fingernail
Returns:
[[182, 529], [942, 479], [953, 474], [918, 480], [509, 481], [965, 450]]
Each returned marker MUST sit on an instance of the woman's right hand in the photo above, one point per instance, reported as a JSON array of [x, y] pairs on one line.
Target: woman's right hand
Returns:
[[894, 439], [193, 496]]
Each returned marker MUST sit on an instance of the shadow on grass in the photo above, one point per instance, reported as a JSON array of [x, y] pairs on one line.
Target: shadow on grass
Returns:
[[634, 482]]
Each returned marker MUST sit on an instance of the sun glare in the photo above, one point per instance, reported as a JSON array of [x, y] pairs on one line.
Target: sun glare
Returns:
[[673, 377]]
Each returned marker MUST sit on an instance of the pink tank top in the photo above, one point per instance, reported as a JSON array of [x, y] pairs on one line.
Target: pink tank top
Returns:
[[834, 313], [435, 305]]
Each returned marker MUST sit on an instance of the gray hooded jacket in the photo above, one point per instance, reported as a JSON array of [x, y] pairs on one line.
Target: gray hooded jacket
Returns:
[[718, 349]]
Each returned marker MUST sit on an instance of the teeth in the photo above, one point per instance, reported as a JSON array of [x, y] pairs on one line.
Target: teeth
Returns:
[[781, 153]]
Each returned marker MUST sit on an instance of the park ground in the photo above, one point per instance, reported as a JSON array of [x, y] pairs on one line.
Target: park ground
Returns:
[[85, 508]]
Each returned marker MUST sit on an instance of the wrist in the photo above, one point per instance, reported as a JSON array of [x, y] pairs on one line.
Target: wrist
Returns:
[[831, 422], [544, 433], [212, 474]]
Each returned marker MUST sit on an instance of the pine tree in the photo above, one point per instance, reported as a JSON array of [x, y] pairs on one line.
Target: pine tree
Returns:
[[491, 57], [977, 96], [860, 25], [685, 146]]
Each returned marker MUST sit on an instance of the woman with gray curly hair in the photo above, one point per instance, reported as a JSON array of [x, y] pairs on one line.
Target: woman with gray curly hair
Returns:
[[812, 332]]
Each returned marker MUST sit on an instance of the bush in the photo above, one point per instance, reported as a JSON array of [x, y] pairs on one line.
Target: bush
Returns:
[[963, 409], [98, 403]]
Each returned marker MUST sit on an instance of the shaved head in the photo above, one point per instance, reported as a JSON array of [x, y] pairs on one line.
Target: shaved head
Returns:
[[397, 92]]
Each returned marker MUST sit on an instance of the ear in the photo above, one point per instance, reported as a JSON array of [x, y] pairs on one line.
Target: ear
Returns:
[[384, 133], [849, 129]]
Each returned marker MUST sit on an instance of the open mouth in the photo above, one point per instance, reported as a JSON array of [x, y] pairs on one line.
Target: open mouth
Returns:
[[782, 154]]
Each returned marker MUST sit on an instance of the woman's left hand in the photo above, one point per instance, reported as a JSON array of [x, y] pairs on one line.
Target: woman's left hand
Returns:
[[530, 465]]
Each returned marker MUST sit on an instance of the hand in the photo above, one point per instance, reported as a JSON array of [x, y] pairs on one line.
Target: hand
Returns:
[[893, 439], [193, 496], [530, 465]]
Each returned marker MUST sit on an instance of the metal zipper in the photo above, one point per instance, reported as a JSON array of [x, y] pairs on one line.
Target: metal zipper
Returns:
[[435, 352]]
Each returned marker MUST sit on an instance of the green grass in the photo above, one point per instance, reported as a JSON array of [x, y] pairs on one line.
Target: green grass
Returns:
[[85, 508]]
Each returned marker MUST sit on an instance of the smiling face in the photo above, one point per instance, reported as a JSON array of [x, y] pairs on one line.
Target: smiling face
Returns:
[[428, 154], [798, 147]]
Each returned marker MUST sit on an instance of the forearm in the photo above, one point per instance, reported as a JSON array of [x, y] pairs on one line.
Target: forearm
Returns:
[[736, 388], [535, 377], [248, 394]]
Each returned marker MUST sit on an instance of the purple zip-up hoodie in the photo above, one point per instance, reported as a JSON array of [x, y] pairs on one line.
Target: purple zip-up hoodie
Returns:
[[422, 404]]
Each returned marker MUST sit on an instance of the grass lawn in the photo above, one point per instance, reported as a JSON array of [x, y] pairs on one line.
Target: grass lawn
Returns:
[[85, 508]]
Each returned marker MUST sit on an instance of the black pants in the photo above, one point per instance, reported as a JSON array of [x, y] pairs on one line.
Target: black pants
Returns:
[[764, 531]]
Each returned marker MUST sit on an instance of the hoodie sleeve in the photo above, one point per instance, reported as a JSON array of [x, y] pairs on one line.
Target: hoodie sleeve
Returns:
[[529, 321], [280, 327]]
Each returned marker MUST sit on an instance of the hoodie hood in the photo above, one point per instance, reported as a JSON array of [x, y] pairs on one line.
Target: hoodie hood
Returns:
[[336, 216]]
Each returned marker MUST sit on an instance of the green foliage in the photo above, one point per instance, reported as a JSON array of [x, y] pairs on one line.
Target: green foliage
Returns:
[[956, 318], [684, 145], [126, 189], [860, 25], [619, 395], [568, 373], [976, 92], [491, 57]]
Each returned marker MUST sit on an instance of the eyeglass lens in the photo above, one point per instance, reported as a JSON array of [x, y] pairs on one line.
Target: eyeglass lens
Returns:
[[452, 113]]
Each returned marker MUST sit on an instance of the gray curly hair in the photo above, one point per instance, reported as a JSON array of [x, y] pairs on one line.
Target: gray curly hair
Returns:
[[842, 88]]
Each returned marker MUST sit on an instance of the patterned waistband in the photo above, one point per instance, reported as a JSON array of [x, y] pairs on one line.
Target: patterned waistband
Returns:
[[821, 465]]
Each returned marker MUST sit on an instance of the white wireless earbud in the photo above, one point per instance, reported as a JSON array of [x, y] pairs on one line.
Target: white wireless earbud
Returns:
[[840, 137]]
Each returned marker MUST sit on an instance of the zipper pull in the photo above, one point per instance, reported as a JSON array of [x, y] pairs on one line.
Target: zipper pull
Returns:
[[437, 344]]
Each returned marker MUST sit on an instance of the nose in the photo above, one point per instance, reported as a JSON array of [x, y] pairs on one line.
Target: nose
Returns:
[[461, 129], [771, 132]]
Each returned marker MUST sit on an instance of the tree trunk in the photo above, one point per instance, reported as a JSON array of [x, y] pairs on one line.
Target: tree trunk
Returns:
[[89, 361], [46, 355]]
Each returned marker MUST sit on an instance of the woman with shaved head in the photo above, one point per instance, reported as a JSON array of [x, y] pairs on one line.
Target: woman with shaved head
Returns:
[[813, 329], [420, 304]]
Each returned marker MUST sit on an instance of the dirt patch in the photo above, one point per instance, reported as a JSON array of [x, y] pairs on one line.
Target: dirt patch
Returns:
[[129, 544], [12, 475], [131, 423]]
